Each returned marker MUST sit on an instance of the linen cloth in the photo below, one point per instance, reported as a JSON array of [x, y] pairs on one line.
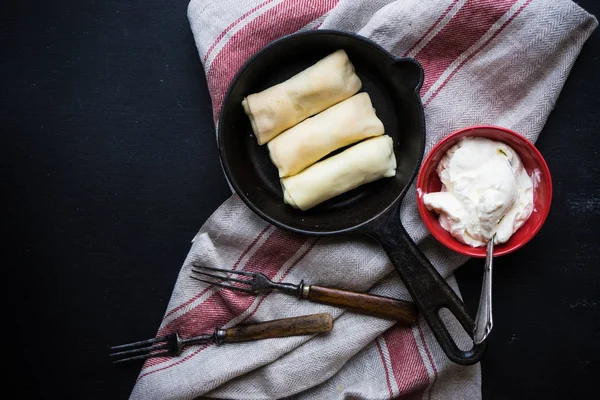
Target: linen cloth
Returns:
[[500, 62]]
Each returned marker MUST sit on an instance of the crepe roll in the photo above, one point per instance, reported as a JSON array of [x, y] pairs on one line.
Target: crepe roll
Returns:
[[362, 163], [318, 87], [343, 124]]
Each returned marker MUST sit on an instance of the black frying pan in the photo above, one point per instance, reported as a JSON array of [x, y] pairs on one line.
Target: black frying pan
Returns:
[[371, 209]]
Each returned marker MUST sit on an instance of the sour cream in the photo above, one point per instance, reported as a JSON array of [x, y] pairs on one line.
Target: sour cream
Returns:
[[485, 191]]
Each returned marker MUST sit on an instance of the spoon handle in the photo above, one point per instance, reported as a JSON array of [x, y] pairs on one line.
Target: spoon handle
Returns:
[[483, 319]]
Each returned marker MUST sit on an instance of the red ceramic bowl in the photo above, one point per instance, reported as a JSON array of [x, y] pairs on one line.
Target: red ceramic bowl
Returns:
[[428, 181]]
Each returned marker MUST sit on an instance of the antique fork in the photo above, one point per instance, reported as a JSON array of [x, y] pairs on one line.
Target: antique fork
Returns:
[[364, 303], [172, 345]]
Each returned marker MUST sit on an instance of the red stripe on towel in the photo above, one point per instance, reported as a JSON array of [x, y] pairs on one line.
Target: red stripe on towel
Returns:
[[469, 24], [504, 25], [437, 21], [408, 368], [222, 34]]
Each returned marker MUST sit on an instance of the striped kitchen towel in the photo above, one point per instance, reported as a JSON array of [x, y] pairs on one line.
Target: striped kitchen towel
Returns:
[[499, 62]]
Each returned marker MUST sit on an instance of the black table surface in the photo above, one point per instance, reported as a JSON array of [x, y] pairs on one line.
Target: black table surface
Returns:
[[110, 167]]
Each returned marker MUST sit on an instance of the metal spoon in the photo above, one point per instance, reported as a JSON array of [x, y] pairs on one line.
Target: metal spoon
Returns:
[[483, 319]]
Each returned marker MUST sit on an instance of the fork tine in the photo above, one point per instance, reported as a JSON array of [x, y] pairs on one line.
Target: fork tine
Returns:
[[223, 285], [142, 350], [225, 278], [161, 354], [246, 273], [141, 342]]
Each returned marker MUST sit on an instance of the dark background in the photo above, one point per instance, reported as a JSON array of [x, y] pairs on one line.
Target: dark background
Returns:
[[109, 168]]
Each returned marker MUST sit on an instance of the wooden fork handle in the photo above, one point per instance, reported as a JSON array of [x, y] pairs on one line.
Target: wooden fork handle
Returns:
[[379, 306], [305, 325]]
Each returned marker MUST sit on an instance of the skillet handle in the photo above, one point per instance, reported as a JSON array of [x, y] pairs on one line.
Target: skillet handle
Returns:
[[429, 290]]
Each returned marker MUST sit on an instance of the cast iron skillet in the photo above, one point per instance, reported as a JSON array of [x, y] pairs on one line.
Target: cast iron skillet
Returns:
[[372, 209]]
